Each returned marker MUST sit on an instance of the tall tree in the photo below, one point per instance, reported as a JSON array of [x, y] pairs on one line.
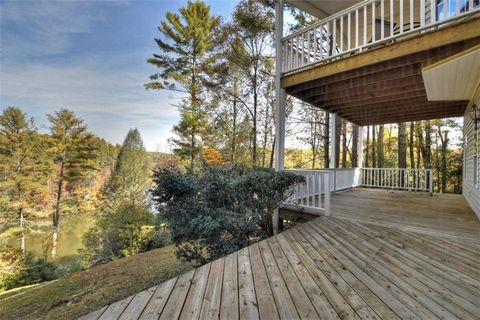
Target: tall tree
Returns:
[[251, 45], [374, 147], [380, 147], [355, 131], [344, 143], [326, 141], [24, 166], [412, 144], [367, 149], [338, 135], [188, 59], [75, 155], [131, 175], [402, 145]]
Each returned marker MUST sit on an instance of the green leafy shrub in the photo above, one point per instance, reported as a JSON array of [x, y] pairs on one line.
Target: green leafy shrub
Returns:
[[221, 209], [120, 231], [18, 270]]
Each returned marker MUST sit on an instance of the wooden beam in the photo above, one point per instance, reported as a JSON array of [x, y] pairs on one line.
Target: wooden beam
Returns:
[[400, 92], [422, 42]]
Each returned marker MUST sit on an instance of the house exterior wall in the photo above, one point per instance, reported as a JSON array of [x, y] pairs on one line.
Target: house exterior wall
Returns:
[[471, 170]]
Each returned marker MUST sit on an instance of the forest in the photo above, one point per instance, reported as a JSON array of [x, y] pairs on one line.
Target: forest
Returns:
[[225, 133]]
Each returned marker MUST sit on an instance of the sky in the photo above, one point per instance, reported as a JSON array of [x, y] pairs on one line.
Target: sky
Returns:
[[90, 57]]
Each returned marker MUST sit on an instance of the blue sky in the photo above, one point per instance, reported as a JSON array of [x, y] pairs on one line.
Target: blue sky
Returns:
[[89, 56]]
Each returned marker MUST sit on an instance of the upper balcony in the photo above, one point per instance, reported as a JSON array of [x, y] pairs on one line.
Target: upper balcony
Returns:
[[356, 26], [364, 58]]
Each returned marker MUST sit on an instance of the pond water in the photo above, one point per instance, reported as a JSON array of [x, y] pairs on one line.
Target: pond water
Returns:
[[39, 234]]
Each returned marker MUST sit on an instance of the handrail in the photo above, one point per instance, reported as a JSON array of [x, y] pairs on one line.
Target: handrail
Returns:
[[363, 26], [329, 18], [313, 195]]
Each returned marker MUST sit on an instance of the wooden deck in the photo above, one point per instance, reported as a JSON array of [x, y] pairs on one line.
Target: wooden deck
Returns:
[[381, 256]]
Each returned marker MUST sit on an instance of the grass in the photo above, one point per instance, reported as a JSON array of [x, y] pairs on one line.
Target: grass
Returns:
[[89, 290]]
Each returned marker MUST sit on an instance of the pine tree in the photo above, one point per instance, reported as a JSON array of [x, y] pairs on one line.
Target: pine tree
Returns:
[[188, 58], [75, 155], [24, 167], [131, 175]]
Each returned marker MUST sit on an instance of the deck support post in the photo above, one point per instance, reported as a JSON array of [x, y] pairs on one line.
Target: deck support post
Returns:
[[279, 101]]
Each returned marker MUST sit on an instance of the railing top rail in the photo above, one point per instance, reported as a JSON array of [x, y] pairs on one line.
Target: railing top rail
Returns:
[[308, 170], [329, 18]]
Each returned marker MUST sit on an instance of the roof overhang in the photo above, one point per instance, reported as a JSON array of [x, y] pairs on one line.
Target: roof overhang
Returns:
[[454, 78], [322, 8]]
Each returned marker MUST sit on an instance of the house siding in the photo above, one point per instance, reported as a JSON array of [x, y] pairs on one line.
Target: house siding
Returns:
[[470, 192]]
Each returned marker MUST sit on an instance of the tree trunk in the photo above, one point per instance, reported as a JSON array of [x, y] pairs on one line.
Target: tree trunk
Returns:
[[326, 143], [412, 145], [338, 134], [22, 227], [234, 129], [254, 120], [56, 214], [355, 150], [443, 167], [344, 144], [273, 151], [374, 147], [367, 149], [402, 146], [380, 148], [428, 145]]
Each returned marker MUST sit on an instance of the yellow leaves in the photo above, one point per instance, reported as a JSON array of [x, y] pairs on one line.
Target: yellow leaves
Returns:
[[212, 156]]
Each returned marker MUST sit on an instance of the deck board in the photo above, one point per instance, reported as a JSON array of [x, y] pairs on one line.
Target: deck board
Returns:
[[381, 255]]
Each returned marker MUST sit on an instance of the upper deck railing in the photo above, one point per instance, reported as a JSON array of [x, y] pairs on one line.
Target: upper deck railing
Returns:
[[366, 25]]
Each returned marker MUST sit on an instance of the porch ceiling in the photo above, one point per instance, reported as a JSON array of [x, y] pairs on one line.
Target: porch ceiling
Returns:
[[387, 92], [322, 8]]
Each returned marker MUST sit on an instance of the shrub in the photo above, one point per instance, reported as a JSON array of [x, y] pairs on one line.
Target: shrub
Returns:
[[120, 231], [18, 270], [221, 209]]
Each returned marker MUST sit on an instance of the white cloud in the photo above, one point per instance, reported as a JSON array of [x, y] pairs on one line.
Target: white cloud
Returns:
[[44, 27], [110, 101]]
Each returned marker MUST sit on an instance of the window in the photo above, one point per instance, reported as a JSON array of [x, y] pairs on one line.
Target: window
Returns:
[[448, 8]]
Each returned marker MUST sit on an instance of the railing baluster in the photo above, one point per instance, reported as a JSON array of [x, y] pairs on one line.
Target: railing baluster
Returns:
[[302, 56], [422, 13], [329, 42], [356, 29], [411, 16], [342, 35], [334, 36], [365, 13], [382, 19], [400, 21], [349, 40], [392, 18], [373, 22]]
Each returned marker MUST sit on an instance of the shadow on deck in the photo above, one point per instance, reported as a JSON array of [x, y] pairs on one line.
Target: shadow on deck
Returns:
[[381, 255]]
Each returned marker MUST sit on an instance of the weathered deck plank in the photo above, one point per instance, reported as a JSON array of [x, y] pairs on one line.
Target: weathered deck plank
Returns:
[[375, 258]]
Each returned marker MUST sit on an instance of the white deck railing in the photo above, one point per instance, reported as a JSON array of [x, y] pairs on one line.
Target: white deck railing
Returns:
[[313, 195], [402, 179], [368, 24]]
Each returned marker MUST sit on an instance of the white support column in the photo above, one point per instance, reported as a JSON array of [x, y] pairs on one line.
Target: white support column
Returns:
[[279, 100], [360, 147], [333, 151], [279, 92]]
